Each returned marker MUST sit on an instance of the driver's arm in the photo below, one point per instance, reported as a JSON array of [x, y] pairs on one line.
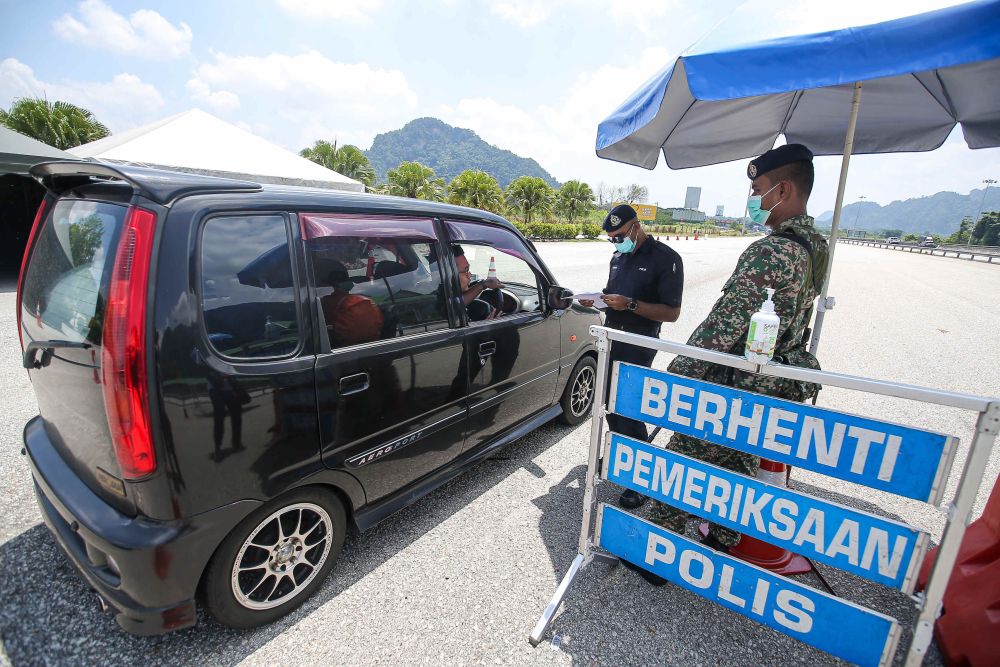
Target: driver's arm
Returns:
[[475, 290]]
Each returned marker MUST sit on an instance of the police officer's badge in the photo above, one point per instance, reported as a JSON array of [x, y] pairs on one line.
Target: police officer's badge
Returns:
[[752, 170], [615, 220]]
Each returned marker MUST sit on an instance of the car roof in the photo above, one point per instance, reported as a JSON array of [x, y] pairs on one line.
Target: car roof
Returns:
[[165, 187]]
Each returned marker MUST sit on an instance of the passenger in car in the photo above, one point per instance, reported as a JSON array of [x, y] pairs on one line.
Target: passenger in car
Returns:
[[351, 319], [476, 308]]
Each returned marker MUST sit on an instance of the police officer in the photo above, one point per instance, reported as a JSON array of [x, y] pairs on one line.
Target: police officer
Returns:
[[644, 290], [792, 260]]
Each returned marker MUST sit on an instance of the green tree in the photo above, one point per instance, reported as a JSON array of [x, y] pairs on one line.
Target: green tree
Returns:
[[575, 199], [347, 160], [414, 180], [529, 197], [477, 189], [962, 234], [59, 124], [635, 194], [987, 229], [85, 238]]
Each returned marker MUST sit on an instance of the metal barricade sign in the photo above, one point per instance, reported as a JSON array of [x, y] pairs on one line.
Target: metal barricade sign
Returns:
[[875, 453], [906, 461], [867, 545], [836, 626]]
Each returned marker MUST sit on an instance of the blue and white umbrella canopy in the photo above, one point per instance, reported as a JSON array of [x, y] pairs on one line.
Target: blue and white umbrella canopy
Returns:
[[728, 100], [921, 75]]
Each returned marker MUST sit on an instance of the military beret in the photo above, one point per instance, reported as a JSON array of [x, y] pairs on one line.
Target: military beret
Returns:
[[618, 217], [778, 157]]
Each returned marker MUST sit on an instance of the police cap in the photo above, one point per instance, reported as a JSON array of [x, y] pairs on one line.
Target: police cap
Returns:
[[778, 157], [618, 217]]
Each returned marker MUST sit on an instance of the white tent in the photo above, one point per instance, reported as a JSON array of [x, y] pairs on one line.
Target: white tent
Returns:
[[18, 152], [198, 142]]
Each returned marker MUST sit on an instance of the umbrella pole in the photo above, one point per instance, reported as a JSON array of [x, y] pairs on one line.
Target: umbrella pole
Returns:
[[826, 303]]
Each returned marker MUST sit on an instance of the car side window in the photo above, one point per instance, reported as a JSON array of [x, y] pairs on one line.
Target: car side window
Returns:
[[486, 246], [248, 287], [377, 277]]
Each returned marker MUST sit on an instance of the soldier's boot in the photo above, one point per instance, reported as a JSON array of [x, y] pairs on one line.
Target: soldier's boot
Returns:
[[631, 500]]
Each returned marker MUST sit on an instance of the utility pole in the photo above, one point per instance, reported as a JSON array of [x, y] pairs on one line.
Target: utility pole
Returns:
[[988, 182], [861, 198]]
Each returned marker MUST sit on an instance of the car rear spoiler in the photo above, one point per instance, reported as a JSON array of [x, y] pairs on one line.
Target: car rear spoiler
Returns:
[[63, 175]]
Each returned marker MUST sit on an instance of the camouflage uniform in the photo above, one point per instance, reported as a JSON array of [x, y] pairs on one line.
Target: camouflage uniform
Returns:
[[780, 263]]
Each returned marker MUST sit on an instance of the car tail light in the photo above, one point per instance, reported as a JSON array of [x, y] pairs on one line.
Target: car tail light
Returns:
[[39, 216], [123, 359]]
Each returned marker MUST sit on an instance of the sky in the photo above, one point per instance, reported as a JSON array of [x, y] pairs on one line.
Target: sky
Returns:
[[535, 78]]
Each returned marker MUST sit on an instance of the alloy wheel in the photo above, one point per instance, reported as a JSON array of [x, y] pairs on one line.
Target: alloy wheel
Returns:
[[583, 391], [281, 556]]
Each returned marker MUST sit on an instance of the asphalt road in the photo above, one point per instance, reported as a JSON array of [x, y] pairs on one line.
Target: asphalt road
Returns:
[[462, 576]]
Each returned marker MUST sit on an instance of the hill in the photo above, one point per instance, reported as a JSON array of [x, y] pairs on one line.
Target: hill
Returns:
[[449, 151], [935, 214]]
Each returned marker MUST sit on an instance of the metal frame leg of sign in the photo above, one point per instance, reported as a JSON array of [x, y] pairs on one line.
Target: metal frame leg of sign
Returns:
[[586, 551], [958, 512]]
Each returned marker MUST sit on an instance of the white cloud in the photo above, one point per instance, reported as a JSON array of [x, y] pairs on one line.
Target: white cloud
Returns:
[[523, 13], [123, 102], [559, 135], [348, 10], [222, 101], [638, 14], [145, 33], [318, 97]]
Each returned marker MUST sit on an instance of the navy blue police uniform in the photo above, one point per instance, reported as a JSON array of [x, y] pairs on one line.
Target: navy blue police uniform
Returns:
[[652, 273]]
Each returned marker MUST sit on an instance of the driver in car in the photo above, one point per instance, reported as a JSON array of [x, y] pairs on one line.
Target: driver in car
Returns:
[[477, 308]]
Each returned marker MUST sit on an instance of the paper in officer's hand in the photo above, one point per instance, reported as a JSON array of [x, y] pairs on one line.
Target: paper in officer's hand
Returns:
[[596, 297]]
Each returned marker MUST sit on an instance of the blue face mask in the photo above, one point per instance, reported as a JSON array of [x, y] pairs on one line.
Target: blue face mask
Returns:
[[756, 213], [624, 246]]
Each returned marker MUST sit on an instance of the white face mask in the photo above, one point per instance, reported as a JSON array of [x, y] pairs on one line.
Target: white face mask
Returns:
[[756, 213]]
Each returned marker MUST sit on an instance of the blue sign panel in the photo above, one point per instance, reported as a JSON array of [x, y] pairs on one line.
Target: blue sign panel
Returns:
[[836, 626], [870, 546], [898, 459]]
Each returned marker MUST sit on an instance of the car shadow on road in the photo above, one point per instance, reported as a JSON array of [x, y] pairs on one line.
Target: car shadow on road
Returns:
[[48, 614], [611, 613]]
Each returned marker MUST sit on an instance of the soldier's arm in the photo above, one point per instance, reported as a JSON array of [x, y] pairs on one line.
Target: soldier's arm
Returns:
[[759, 267]]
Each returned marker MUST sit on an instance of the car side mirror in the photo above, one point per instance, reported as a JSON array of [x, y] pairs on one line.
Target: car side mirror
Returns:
[[559, 298]]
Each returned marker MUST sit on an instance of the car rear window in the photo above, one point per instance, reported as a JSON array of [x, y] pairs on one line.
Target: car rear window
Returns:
[[65, 285], [248, 287]]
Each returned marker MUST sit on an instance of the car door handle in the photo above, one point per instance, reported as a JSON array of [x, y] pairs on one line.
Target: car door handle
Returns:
[[487, 348], [354, 384]]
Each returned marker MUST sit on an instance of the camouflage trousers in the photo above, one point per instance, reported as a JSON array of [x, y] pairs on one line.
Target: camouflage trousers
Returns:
[[675, 519]]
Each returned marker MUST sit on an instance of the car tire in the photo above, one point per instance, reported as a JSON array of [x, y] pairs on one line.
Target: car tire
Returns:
[[275, 558], [578, 396]]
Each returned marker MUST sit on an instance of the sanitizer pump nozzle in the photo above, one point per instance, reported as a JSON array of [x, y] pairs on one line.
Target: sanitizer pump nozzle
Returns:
[[763, 334]]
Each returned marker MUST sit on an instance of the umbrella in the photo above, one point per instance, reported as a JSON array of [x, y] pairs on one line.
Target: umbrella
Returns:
[[921, 75], [273, 268]]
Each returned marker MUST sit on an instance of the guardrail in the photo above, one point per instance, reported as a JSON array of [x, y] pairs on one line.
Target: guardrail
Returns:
[[983, 253]]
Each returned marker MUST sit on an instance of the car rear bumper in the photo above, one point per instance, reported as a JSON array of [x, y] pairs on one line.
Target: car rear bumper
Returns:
[[146, 571]]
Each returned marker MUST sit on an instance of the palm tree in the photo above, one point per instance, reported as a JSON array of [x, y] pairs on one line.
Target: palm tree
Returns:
[[59, 124], [528, 196], [477, 189], [347, 160], [575, 198], [414, 180]]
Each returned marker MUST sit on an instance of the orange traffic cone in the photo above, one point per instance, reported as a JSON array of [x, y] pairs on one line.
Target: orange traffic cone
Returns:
[[760, 553], [678, 238], [696, 236]]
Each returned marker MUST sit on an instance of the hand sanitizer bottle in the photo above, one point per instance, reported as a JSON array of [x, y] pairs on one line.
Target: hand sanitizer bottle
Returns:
[[763, 334], [492, 273]]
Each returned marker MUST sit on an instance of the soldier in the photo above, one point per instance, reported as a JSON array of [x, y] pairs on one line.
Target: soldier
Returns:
[[792, 260], [645, 286]]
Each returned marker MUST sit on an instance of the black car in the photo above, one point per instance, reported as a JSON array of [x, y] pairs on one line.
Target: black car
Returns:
[[231, 376]]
